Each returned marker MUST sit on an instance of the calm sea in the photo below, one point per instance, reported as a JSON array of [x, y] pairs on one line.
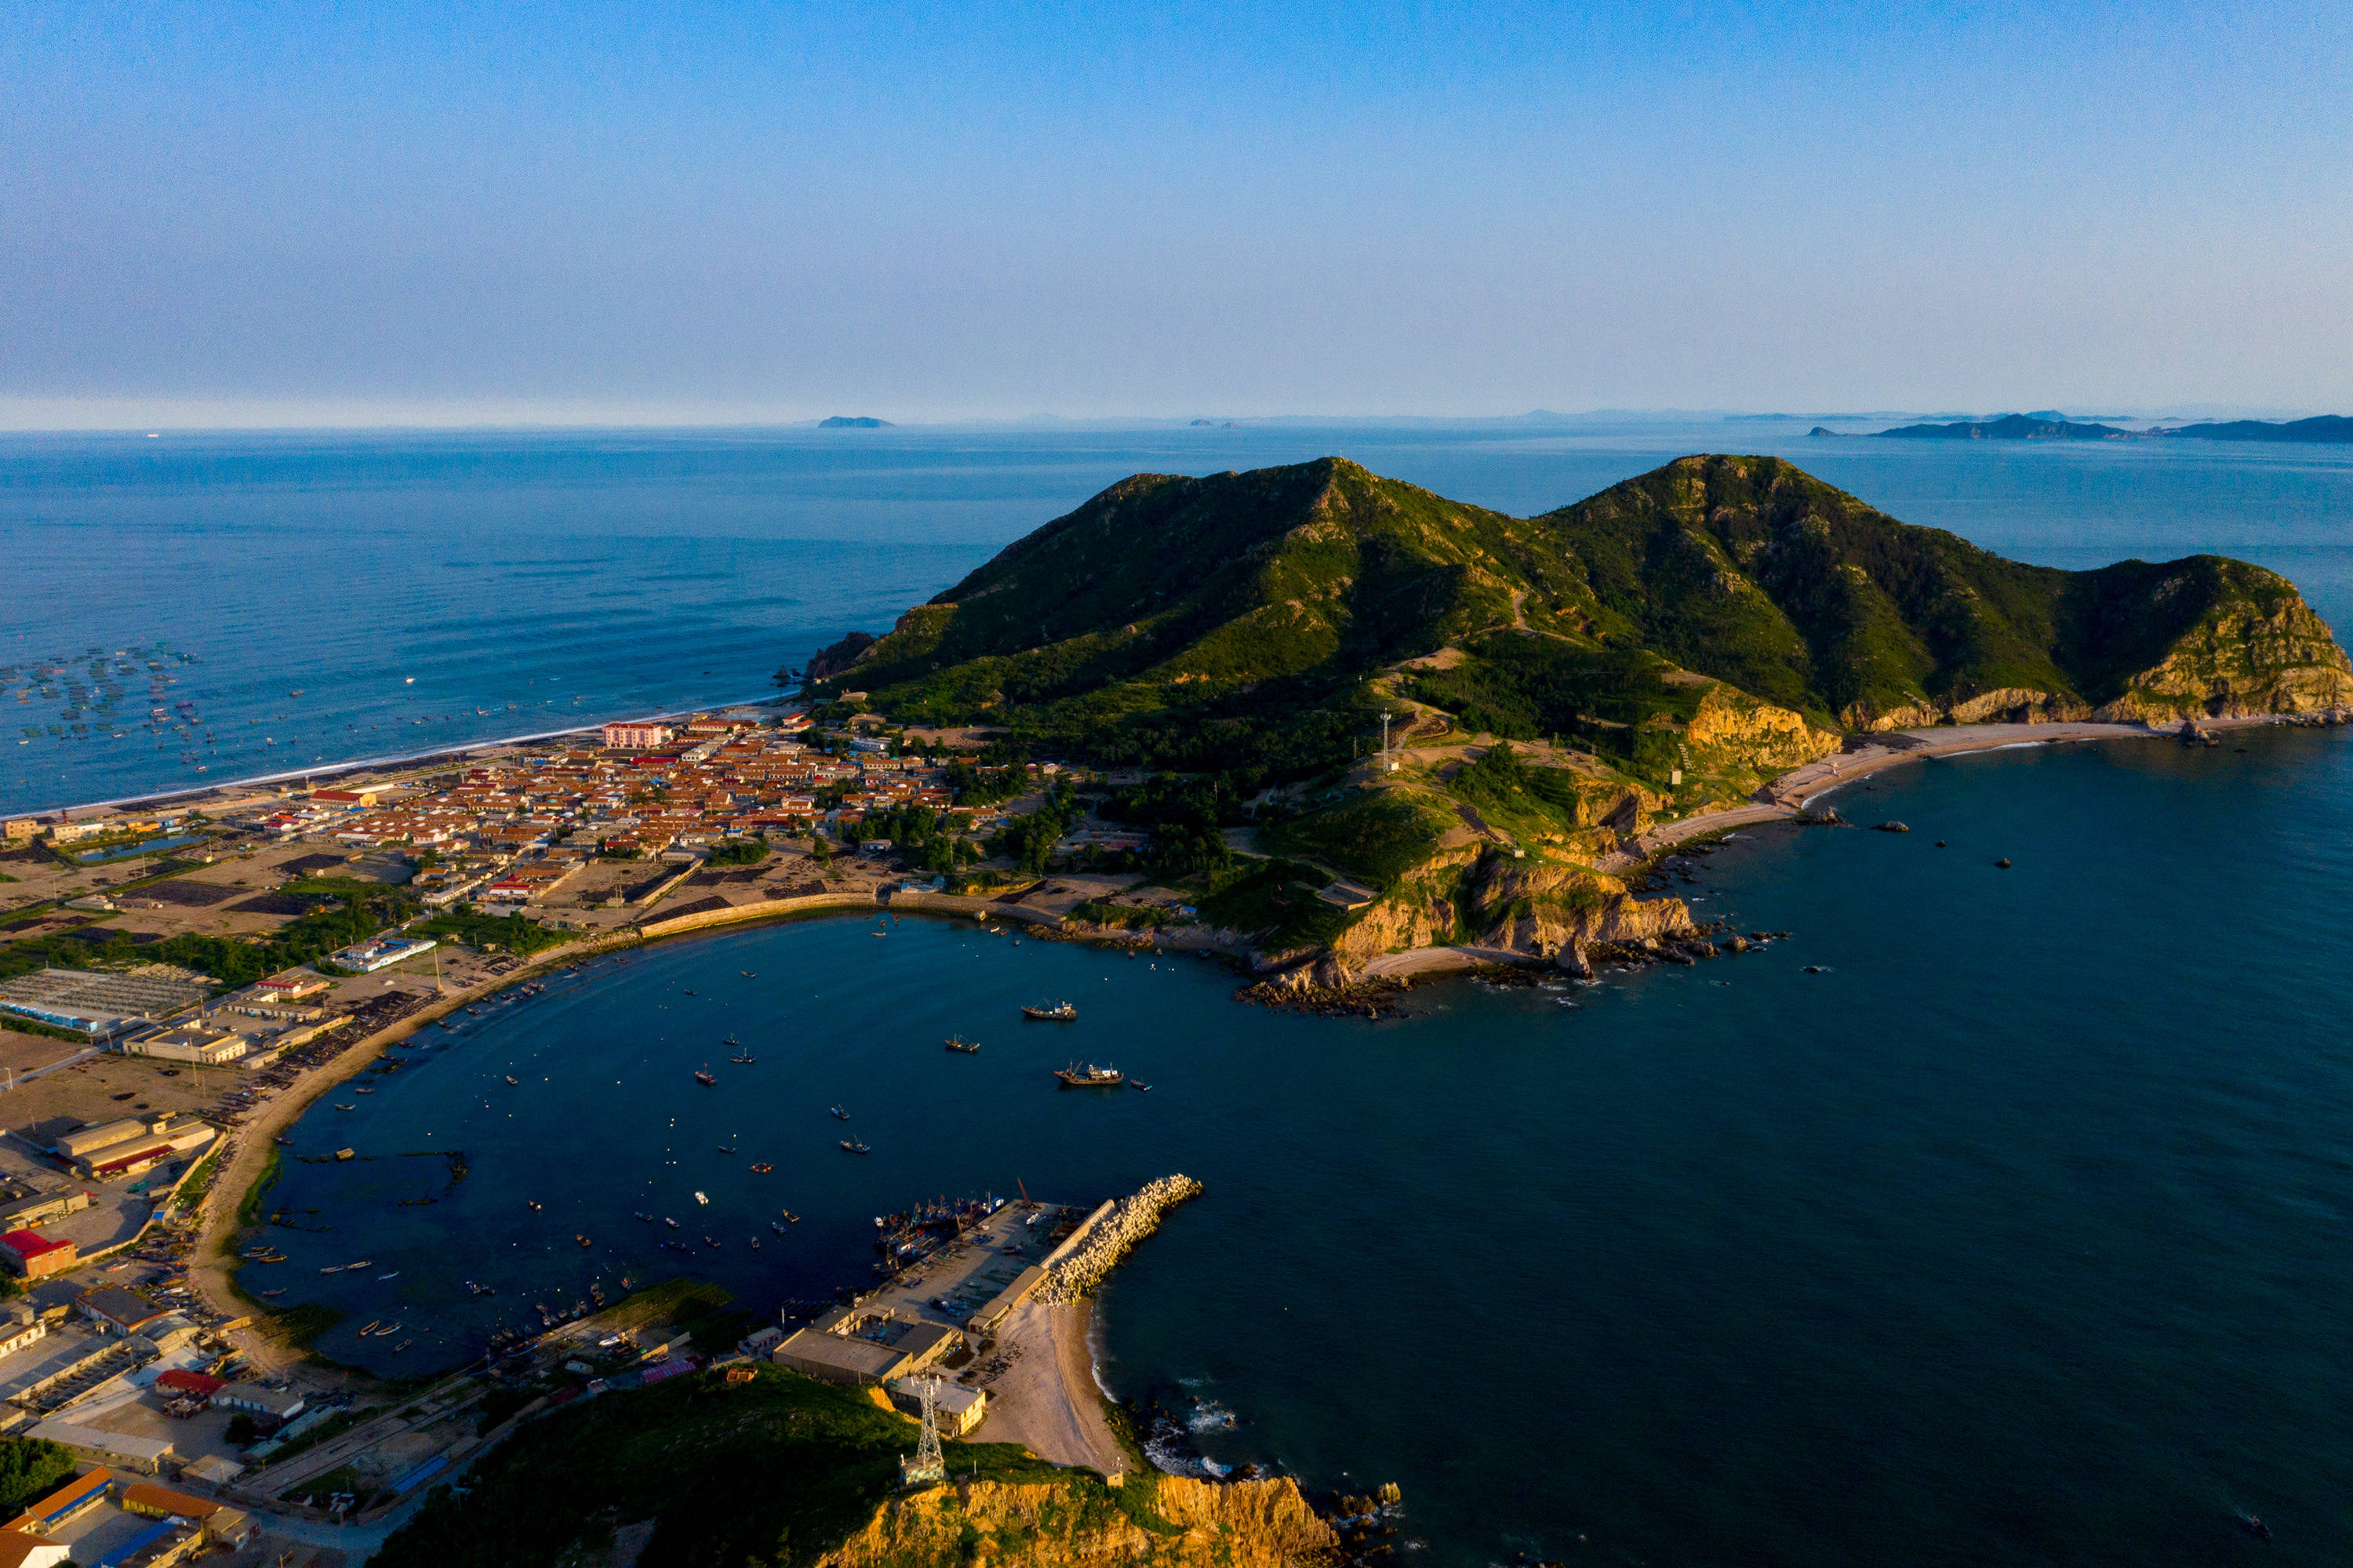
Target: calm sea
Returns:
[[2020, 1235], [321, 598]]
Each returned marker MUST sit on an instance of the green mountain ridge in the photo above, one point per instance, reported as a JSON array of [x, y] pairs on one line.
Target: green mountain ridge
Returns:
[[1665, 649], [1283, 593]]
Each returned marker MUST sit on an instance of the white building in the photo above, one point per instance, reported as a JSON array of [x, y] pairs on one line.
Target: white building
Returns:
[[369, 957]]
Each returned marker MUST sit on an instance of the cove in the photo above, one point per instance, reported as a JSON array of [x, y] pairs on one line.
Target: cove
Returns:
[[2017, 1236]]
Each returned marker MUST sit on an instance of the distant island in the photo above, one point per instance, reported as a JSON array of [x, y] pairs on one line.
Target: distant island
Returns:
[[2320, 427], [854, 422], [2009, 428], [1695, 645], [2052, 426]]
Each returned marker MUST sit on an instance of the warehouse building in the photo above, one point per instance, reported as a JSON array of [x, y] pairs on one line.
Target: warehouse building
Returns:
[[196, 1042], [40, 1208], [866, 1351], [282, 1404], [130, 1146]]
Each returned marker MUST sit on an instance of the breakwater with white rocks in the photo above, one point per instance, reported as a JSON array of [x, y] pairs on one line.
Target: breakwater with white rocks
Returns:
[[1110, 1235]]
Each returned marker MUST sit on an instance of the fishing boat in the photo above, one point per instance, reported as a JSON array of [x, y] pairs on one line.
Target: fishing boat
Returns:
[[855, 1148], [676, 1246], [743, 1059], [333, 1268], [1090, 1077], [340, 1106], [374, 1324], [393, 1275], [535, 1204], [711, 1241], [701, 1198], [643, 1215], [958, 1042], [1138, 1083], [513, 1080], [723, 1149], [670, 1223], [271, 1295], [360, 1264], [581, 1239], [776, 1225], [755, 1243], [402, 1346], [839, 1114], [363, 1091], [596, 1292], [1061, 1013], [704, 1077], [474, 1289], [749, 975], [790, 1218]]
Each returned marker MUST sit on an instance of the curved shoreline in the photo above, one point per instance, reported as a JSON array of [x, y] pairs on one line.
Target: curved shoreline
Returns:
[[1795, 791], [337, 769], [212, 1266]]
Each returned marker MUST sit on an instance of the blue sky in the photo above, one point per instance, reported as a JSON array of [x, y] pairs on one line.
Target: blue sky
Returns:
[[232, 214]]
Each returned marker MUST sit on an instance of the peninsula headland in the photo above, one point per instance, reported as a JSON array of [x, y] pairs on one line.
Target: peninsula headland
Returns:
[[1355, 719]]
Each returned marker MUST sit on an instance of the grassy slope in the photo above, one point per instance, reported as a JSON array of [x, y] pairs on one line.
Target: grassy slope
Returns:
[[773, 1471]]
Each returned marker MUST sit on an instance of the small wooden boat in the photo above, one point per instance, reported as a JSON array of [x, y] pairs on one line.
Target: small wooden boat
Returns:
[[1061, 1013], [513, 1080], [958, 1044], [581, 1239], [856, 1148], [839, 1114], [790, 1218], [705, 1079]]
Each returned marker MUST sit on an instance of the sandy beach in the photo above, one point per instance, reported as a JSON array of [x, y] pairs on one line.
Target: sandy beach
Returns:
[[1797, 789], [1047, 1400]]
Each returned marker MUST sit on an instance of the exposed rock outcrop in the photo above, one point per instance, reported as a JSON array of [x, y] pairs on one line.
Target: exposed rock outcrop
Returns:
[[1733, 725], [1079, 1524]]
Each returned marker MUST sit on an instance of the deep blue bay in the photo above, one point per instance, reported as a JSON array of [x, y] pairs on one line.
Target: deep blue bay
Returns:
[[2019, 1237]]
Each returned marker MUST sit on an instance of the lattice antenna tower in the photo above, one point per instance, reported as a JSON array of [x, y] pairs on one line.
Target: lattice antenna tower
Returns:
[[928, 1465]]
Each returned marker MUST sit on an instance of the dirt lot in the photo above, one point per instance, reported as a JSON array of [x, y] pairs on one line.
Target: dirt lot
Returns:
[[22, 1053], [106, 1088]]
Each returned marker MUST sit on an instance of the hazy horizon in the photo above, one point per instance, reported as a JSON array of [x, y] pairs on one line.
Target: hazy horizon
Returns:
[[259, 216]]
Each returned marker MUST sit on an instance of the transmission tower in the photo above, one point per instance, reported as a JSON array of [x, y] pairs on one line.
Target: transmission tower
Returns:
[[928, 1465]]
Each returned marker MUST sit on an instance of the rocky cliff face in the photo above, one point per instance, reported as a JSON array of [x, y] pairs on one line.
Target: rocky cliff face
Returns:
[[1532, 907], [2250, 660], [1181, 1523], [1733, 727]]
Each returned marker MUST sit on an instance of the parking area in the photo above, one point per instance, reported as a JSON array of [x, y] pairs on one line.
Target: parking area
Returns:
[[959, 1280]]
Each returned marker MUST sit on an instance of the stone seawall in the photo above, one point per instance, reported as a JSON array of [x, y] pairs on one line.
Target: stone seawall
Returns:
[[1078, 1265]]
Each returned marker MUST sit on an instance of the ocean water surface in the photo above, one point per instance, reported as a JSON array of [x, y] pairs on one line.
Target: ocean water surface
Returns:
[[2018, 1235], [298, 600]]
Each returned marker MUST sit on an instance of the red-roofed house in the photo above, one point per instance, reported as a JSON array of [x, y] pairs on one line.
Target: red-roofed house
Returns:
[[34, 1256]]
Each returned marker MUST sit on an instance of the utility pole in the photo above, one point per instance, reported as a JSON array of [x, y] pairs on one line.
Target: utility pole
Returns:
[[1384, 738]]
